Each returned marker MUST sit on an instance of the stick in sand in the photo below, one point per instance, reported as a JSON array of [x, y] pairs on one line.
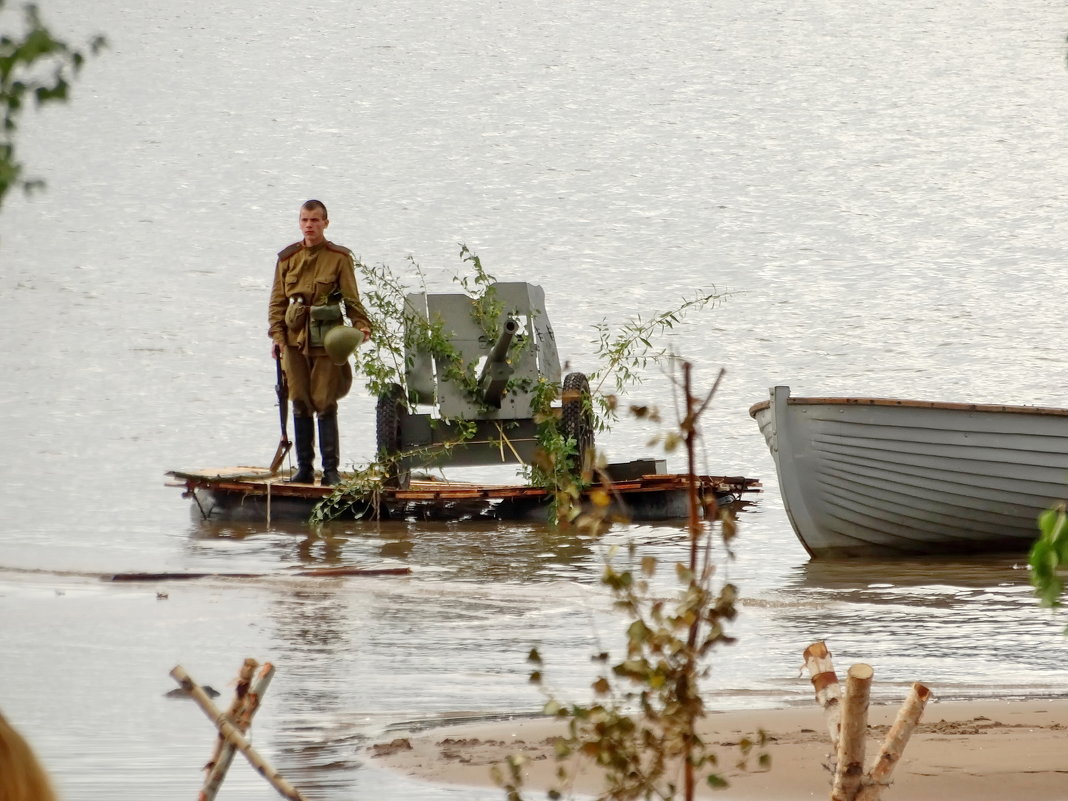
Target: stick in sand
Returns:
[[244, 681], [828, 690], [246, 702], [896, 739], [230, 732], [849, 771]]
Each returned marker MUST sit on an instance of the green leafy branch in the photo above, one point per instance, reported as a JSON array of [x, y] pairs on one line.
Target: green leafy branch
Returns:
[[361, 489], [641, 728], [36, 66], [404, 331], [1049, 556], [627, 352], [382, 360], [488, 309], [557, 463]]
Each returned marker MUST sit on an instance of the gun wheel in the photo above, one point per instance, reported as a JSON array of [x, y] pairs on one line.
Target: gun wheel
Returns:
[[389, 414], [576, 422]]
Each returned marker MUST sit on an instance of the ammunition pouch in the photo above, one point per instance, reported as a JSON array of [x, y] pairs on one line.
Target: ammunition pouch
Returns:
[[323, 318], [331, 311]]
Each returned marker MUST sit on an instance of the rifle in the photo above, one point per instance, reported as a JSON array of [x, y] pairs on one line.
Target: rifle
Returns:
[[282, 391]]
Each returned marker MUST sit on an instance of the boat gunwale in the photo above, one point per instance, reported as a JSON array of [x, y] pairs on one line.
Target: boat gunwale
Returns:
[[913, 404]]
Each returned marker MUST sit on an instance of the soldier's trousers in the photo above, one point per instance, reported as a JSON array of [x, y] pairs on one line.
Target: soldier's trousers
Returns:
[[316, 384]]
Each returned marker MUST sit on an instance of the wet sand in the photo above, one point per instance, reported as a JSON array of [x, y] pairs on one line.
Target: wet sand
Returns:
[[962, 751]]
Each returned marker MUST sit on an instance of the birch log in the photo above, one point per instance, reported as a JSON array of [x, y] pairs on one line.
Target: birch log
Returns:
[[230, 732], [255, 696], [894, 744], [849, 771], [828, 690], [244, 681], [246, 701]]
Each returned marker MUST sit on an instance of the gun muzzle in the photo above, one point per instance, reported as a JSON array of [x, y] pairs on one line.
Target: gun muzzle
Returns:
[[497, 371]]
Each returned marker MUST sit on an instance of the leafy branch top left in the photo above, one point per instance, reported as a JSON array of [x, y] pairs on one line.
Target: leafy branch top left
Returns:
[[35, 66]]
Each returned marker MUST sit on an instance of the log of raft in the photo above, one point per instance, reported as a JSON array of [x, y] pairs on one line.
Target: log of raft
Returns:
[[318, 571]]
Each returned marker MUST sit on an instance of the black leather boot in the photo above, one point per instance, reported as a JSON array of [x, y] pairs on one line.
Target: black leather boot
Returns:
[[329, 447], [304, 440]]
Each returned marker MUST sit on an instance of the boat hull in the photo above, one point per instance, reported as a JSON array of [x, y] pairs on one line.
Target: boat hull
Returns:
[[873, 476]]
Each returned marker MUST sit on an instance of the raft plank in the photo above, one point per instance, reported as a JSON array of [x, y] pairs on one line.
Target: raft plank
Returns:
[[226, 473]]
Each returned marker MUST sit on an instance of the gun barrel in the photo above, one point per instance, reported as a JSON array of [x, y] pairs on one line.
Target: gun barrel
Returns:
[[500, 347], [496, 371]]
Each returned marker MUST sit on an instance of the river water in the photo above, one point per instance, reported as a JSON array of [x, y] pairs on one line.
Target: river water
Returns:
[[876, 188]]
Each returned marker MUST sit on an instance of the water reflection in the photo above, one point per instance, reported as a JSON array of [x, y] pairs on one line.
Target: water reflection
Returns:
[[961, 626], [467, 551], [855, 574], [318, 636]]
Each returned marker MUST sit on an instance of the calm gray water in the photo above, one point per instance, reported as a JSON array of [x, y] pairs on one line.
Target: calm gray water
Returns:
[[878, 187]]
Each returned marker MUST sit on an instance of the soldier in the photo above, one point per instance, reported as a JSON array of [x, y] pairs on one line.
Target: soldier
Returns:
[[314, 282]]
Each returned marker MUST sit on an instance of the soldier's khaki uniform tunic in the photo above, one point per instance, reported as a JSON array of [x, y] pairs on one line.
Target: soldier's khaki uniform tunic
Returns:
[[312, 274]]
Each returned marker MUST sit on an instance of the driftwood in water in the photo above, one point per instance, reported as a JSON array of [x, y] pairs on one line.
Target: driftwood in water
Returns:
[[246, 702], [849, 767], [896, 739], [229, 731], [315, 571], [847, 724], [828, 690]]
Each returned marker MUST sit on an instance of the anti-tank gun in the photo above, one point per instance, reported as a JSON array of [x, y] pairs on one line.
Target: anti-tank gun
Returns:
[[481, 390]]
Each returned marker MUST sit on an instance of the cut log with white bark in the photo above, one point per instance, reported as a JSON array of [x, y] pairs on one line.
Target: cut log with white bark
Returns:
[[896, 739], [230, 732], [828, 690], [244, 681], [246, 701], [849, 770], [255, 696]]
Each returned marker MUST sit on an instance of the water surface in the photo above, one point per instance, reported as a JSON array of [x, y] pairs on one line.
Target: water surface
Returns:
[[873, 187]]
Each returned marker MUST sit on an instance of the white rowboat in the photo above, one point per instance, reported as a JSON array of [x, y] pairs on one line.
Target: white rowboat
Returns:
[[878, 476]]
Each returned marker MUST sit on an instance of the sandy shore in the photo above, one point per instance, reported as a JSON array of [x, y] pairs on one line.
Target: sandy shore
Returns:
[[969, 751]]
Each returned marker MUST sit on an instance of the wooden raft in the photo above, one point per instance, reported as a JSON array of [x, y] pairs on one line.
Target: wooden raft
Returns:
[[219, 492]]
